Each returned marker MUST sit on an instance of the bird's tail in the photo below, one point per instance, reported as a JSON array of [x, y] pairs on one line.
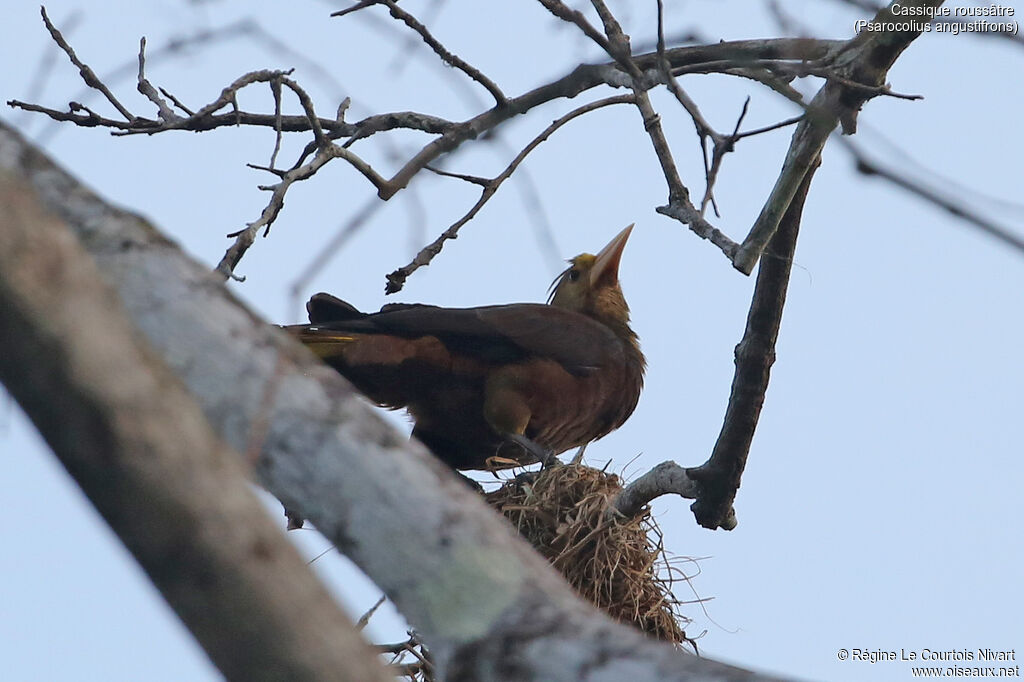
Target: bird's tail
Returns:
[[326, 343], [326, 308]]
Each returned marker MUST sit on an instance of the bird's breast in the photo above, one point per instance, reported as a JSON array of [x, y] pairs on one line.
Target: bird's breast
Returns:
[[568, 410]]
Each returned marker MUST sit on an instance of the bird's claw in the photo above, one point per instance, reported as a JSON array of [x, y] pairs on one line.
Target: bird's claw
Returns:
[[543, 455], [526, 478]]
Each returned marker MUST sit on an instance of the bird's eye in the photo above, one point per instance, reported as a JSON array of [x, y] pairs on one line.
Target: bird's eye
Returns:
[[574, 275]]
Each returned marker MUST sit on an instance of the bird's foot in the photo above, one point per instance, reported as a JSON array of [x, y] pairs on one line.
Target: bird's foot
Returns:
[[526, 478], [546, 457]]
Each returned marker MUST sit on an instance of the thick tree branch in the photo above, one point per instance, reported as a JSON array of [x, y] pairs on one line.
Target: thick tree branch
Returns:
[[668, 478], [1005, 34], [865, 61], [487, 606], [719, 477], [808, 140], [135, 441]]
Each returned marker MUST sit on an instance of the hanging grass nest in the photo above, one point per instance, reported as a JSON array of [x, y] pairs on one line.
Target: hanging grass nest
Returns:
[[616, 563]]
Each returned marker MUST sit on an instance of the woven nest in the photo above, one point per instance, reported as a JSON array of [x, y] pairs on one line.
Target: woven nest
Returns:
[[618, 564]]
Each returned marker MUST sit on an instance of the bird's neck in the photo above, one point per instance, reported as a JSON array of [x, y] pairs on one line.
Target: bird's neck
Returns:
[[611, 310], [631, 342]]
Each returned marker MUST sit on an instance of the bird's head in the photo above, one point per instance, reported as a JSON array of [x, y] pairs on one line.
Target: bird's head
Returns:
[[590, 285]]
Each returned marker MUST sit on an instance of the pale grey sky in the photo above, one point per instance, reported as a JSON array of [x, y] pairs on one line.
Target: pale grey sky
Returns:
[[881, 502]]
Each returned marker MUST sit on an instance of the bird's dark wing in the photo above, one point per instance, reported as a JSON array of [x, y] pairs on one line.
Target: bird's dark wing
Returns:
[[577, 342], [502, 333]]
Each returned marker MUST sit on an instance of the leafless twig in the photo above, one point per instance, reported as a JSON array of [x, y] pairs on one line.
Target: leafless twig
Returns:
[[245, 238], [46, 64], [618, 47], [396, 279], [449, 135], [435, 45], [147, 89], [365, 618], [854, 72], [868, 167], [88, 75], [722, 147]]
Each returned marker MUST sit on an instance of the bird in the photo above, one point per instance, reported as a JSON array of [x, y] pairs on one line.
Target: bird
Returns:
[[500, 385]]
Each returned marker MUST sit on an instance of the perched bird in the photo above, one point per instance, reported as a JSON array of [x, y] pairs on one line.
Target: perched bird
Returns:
[[520, 382]]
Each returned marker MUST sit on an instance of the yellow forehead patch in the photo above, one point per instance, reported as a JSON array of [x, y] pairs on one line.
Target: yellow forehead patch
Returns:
[[584, 259]]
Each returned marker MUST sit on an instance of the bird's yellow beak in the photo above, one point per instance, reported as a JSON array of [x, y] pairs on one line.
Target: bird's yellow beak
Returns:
[[606, 264]]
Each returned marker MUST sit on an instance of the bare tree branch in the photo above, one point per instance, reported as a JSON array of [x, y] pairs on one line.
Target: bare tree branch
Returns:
[[396, 279], [854, 70], [137, 444], [487, 606], [245, 238], [88, 75], [873, 6], [871, 168], [718, 479], [808, 140], [737, 58], [665, 479], [147, 89], [618, 47], [439, 49], [44, 68], [864, 60]]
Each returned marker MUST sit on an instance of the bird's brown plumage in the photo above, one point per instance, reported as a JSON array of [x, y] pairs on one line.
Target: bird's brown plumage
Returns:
[[479, 380]]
